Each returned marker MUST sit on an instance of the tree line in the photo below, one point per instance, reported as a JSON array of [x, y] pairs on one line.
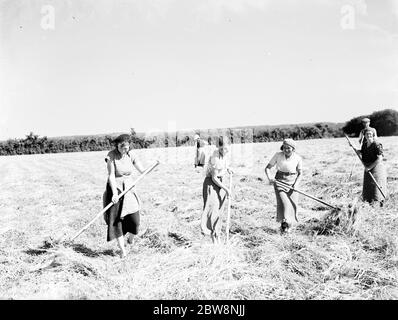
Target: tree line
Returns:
[[385, 122]]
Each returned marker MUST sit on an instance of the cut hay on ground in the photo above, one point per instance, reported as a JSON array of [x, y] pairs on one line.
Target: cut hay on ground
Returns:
[[346, 254]]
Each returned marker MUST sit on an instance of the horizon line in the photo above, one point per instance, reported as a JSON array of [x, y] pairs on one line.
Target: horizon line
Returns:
[[150, 132]]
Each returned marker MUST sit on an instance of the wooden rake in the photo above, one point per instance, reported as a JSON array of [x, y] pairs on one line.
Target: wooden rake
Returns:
[[111, 203], [306, 194], [370, 174], [229, 206]]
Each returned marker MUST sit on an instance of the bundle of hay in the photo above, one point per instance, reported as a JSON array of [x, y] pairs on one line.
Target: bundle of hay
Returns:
[[156, 240], [338, 221]]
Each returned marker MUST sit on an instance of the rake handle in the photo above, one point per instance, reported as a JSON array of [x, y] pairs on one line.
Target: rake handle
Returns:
[[305, 194], [229, 206], [111, 203]]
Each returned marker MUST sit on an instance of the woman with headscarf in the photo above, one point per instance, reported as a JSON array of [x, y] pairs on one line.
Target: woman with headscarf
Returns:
[[289, 169], [215, 191], [371, 153], [124, 216]]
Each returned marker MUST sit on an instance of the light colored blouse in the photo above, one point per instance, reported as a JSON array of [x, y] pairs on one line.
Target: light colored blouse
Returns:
[[124, 166], [217, 164], [291, 165]]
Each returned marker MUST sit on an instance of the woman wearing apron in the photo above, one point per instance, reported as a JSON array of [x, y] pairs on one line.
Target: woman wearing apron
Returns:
[[124, 216]]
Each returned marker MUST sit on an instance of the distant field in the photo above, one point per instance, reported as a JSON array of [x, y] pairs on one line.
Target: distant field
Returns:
[[45, 197]]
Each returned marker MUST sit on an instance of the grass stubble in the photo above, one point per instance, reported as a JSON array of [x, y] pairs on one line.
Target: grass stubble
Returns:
[[347, 254]]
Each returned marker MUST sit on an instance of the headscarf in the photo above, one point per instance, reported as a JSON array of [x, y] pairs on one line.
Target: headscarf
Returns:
[[289, 142], [365, 131]]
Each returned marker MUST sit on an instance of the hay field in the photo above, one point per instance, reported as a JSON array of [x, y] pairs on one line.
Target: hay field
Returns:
[[47, 197]]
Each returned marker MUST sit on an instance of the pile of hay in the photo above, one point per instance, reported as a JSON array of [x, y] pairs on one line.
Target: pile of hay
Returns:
[[336, 221]]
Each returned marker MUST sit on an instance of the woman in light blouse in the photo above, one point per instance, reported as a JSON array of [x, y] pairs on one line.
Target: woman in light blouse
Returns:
[[289, 166], [215, 192]]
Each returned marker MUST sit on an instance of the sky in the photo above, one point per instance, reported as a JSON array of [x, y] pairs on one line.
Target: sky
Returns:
[[75, 67]]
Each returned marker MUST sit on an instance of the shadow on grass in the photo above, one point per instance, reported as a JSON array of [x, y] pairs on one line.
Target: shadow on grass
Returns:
[[180, 240], [245, 231], [269, 230], [35, 252], [81, 248]]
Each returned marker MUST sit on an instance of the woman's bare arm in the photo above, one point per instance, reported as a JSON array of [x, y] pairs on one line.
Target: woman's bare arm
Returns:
[[298, 178], [218, 182], [112, 180], [268, 173]]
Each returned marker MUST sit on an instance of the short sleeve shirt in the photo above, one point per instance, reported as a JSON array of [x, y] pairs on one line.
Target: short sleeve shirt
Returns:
[[217, 165], [371, 152], [123, 166], [200, 143], [291, 165]]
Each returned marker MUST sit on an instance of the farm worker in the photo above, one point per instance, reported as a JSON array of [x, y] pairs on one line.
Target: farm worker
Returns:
[[210, 147], [215, 192], [372, 157], [123, 218], [366, 124], [200, 152], [289, 168]]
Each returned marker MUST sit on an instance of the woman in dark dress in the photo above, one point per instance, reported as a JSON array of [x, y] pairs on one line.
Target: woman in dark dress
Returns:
[[372, 157], [200, 154], [124, 216]]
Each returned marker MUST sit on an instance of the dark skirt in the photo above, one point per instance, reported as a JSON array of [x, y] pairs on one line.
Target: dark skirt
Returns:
[[370, 192], [286, 199], [118, 226], [213, 207]]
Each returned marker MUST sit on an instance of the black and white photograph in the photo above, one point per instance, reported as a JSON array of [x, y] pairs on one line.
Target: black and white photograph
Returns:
[[199, 150]]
